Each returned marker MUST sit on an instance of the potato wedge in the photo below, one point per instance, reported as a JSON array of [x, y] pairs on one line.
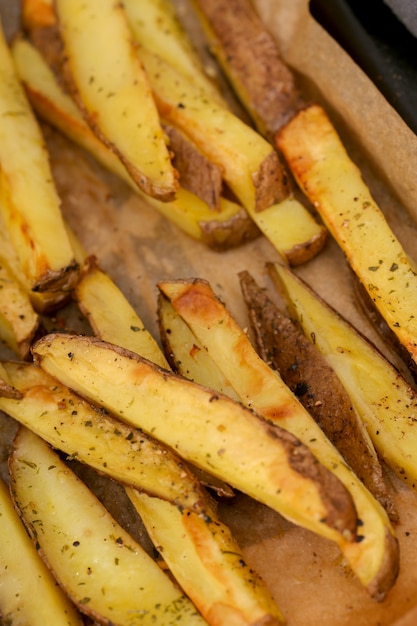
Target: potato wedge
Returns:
[[374, 558], [29, 204], [227, 228], [103, 570], [325, 172], [18, 320], [280, 342], [249, 56], [223, 437], [112, 89], [111, 316], [39, 600], [95, 438], [208, 564], [251, 166], [156, 25], [383, 398]]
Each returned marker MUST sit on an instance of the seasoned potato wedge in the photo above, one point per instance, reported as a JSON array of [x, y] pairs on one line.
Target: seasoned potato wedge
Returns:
[[251, 166], [18, 320], [229, 227], [156, 25], [111, 316], [280, 342], [112, 89], [93, 437], [383, 398], [207, 563], [39, 600], [223, 437], [29, 203], [374, 558], [249, 56], [327, 175], [103, 570]]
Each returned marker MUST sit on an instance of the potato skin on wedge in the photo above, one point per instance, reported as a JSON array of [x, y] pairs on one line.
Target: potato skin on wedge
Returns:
[[374, 556], [103, 570], [223, 437], [280, 341]]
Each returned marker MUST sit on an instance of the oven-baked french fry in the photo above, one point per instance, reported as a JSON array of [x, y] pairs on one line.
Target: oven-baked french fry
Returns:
[[223, 437], [375, 558], [250, 164], [112, 89], [289, 226], [332, 181], [207, 563], [39, 600], [103, 570], [18, 320], [280, 342], [229, 227], [95, 438], [156, 25], [29, 203], [112, 317], [383, 398]]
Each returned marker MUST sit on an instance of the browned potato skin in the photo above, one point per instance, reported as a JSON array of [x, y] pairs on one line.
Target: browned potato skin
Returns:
[[282, 344], [250, 58], [197, 173]]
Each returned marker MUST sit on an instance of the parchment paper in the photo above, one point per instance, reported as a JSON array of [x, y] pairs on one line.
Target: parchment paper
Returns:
[[137, 247]]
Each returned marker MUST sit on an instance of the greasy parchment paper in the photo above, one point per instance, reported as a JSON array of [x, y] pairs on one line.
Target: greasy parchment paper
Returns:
[[137, 247]]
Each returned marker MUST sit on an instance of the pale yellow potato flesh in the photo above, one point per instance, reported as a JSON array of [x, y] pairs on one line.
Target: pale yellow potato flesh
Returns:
[[155, 24], [103, 570], [224, 229], [72, 425], [374, 558], [18, 320], [29, 595], [113, 90], [29, 204], [208, 564], [320, 163], [385, 401], [223, 437], [250, 164]]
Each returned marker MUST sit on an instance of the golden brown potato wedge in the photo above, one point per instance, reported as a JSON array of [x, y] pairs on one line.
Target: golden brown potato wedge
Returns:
[[93, 437], [327, 175], [281, 342], [29, 204], [18, 320], [208, 564], [223, 437], [383, 398], [249, 56], [251, 166], [156, 25], [374, 556], [227, 228], [39, 600], [103, 570], [112, 89]]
